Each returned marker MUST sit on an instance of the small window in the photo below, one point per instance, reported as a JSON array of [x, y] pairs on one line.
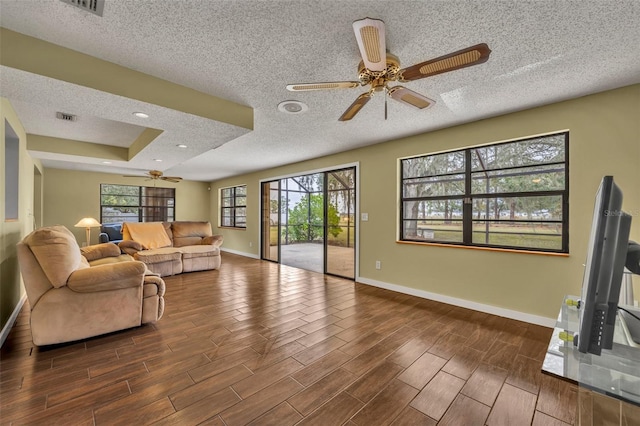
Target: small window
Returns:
[[233, 207], [510, 195], [128, 203]]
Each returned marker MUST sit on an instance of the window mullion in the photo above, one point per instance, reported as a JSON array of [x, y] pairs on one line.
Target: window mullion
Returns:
[[467, 206]]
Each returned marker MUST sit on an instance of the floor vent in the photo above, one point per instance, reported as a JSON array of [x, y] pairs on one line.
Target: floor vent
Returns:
[[66, 117], [92, 6]]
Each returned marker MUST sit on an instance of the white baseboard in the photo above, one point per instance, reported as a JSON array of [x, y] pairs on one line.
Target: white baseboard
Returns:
[[240, 253], [12, 320], [494, 310]]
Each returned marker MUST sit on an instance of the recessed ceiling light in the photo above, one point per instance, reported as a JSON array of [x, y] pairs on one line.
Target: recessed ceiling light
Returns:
[[292, 107], [141, 115], [181, 145], [106, 162], [158, 160]]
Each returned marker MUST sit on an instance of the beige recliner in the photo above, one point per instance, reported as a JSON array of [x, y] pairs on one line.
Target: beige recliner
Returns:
[[73, 296]]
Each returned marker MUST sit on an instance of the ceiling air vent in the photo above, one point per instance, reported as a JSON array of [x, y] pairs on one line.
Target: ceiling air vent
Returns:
[[66, 117], [92, 6]]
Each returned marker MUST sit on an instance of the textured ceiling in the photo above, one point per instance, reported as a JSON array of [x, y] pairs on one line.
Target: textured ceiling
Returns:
[[248, 51]]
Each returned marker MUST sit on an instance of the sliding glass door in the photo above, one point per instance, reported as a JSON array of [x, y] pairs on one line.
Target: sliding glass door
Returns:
[[341, 222], [308, 221], [270, 221]]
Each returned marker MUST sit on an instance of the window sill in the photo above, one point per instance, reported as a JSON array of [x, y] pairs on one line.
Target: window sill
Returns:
[[504, 250], [237, 228]]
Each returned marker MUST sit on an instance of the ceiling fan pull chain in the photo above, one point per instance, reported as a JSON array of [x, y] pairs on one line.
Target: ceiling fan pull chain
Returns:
[[385, 103]]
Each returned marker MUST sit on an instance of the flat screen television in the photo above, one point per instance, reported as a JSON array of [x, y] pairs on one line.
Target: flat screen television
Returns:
[[606, 255]]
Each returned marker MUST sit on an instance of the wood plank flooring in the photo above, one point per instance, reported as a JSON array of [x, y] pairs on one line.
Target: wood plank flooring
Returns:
[[264, 344]]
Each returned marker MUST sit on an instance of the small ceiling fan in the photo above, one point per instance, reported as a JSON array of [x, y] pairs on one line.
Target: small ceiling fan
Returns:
[[378, 68], [157, 175]]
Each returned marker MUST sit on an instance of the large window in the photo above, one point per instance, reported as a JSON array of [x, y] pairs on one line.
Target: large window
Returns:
[[233, 206], [509, 195], [127, 203]]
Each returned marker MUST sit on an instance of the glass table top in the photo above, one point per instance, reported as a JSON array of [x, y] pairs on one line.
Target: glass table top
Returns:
[[616, 372]]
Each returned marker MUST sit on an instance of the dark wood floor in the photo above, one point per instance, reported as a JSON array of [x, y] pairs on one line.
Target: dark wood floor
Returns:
[[258, 343]]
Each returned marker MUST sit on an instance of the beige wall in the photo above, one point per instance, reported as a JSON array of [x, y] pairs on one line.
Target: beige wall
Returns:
[[604, 139], [11, 289], [71, 195]]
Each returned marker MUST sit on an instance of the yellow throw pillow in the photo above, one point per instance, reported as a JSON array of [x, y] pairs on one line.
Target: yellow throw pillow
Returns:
[[149, 234]]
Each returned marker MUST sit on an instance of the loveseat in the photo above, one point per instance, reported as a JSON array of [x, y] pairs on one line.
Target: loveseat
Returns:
[[110, 233], [75, 295], [170, 248]]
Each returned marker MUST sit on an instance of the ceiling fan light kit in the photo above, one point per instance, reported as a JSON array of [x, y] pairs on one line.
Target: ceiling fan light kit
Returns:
[[378, 68]]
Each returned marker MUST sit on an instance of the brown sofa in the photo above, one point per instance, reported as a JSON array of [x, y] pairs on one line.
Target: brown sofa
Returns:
[[170, 248], [73, 296]]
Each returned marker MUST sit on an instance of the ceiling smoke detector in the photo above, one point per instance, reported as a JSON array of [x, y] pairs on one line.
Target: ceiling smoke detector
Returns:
[[66, 117], [292, 107], [91, 6]]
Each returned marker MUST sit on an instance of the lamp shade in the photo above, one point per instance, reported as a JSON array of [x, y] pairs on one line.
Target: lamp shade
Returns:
[[87, 222]]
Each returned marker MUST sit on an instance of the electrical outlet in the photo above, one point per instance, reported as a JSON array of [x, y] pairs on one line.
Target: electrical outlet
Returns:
[[378, 264], [365, 217]]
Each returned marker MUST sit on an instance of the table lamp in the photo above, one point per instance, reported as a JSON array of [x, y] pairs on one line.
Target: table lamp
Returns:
[[88, 223]]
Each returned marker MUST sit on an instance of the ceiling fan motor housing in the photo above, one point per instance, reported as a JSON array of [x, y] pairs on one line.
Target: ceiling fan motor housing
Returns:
[[379, 79]]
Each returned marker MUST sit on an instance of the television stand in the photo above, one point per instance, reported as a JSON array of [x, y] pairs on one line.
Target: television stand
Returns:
[[615, 373]]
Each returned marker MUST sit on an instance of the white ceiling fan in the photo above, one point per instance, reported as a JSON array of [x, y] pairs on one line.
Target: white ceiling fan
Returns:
[[378, 68]]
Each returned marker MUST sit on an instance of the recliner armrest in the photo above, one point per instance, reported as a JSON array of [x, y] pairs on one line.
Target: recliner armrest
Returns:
[[130, 247], [114, 276], [214, 240]]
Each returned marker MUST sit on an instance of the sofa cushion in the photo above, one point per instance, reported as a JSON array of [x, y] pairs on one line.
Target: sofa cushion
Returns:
[[164, 254], [57, 252], [190, 252], [189, 233], [109, 260], [150, 235], [191, 229], [113, 230], [187, 241], [98, 251]]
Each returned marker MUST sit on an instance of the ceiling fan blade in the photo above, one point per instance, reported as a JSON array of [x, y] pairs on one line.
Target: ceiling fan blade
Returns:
[[303, 87], [410, 97], [355, 107], [473, 55], [370, 36], [174, 179]]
